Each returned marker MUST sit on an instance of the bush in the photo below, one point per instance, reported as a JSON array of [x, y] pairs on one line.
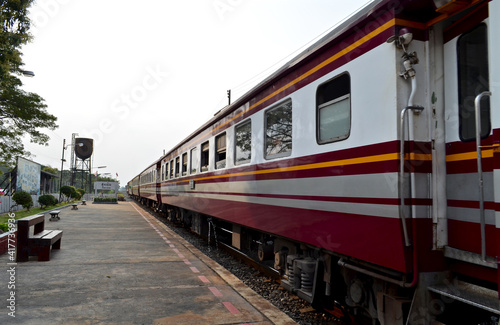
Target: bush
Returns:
[[66, 191], [24, 199], [105, 199], [4, 227], [80, 191], [121, 197], [70, 192], [47, 200]]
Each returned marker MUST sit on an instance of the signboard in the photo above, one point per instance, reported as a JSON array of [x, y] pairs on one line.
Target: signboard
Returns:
[[106, 186], [28, 176]]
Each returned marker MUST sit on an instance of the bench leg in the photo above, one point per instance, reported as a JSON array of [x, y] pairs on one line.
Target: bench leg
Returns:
[[44, 253], [57, 245], [22, 254]]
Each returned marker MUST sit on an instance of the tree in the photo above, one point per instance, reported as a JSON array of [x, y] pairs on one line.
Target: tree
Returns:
[[47, 200], [24, 199], [81, 192], [21, 113], [51, 170], [68, 191]]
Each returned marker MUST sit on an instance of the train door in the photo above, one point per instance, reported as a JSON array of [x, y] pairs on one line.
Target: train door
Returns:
[[470, 182], [157, 180]]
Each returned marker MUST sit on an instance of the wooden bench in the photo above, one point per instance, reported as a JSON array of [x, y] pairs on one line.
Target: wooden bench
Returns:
[[40, 243], [74, 206]]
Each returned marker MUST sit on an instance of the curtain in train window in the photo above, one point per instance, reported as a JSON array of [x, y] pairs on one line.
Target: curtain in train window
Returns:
[[243, 134], [220, 151], [333, 104], [279, 131], [473, 79]]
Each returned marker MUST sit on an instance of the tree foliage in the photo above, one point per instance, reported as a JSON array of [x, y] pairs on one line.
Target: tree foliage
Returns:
[[69, 191], [80, 192], [21, 113], [47, 200], [51, 170], [24, 199]]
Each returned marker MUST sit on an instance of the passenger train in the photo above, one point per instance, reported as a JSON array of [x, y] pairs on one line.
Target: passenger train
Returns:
[[366, 169]]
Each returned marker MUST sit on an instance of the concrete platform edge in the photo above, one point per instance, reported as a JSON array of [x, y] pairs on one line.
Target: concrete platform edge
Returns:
[[270, 311]]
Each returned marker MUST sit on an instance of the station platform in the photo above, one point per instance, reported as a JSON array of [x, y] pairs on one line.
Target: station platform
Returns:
[[119, 265]]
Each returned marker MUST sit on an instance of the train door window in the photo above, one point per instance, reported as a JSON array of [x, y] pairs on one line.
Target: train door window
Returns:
[[220, 151], [177, 166], [194, 160], [473, 79], [278, 121], [162, 171], [184, 164], [172, 168], [243, 142], [333, 110], [204, 161]]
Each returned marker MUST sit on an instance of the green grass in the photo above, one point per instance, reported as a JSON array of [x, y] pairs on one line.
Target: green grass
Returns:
[[23, 213]]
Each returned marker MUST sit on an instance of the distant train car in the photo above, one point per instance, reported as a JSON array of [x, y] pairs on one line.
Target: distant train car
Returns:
[[133, 187], [147, 185], [367, 168]]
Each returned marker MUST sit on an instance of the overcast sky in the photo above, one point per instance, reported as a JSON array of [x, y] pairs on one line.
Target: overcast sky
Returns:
[[140, 76]]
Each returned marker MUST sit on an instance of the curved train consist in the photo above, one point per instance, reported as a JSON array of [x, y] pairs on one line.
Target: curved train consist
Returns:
[[356, 167]]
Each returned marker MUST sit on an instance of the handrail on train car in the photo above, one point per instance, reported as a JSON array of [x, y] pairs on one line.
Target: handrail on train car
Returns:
[[402, 170], [477, 107]]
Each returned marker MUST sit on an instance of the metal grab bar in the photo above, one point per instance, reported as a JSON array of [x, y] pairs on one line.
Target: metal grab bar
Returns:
[[402, 170], [477, 107]]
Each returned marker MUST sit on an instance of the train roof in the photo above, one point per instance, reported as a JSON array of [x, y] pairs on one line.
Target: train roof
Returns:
[[414, 10], [421, 10]]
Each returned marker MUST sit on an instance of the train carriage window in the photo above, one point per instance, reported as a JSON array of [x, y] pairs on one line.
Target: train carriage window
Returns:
[[473, 79], [243, 142], [194, 160], [220, 151], [204, 161], [333, 109], [177, 166], [172, 168], [184, 164], [279, 131]]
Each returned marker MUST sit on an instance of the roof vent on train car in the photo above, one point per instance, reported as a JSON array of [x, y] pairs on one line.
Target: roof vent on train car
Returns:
[[449, 6]]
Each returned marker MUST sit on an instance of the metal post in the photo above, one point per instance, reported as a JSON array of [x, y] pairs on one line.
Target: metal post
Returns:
[[477, 107], [62, 166]]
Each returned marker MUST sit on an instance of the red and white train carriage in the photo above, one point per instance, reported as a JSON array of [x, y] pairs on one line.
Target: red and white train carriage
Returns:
[[357, 165]]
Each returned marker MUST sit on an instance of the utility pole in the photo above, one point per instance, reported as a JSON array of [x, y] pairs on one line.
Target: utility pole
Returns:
[[229, 97], [62, 166]]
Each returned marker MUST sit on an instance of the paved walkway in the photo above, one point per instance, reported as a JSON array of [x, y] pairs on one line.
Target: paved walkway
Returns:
[[118, 265]]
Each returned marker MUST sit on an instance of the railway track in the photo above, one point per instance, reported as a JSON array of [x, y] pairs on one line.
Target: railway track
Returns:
[[264, 269]]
